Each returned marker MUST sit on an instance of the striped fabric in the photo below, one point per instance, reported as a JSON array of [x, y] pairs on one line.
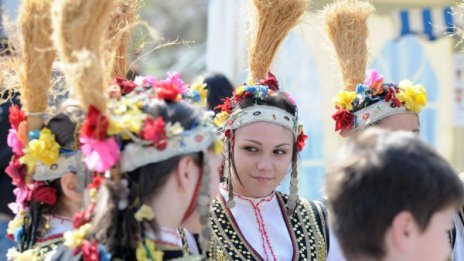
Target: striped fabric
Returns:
[[432, 23]]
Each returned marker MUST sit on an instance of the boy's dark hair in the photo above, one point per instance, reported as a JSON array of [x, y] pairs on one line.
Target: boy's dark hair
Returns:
[[378, 174]]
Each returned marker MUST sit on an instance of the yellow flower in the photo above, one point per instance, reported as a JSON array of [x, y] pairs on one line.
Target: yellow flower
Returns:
[[74, 238], [93, 195], [200, 87], [414, 97], [28, 255], [146, 252], [239, 90], [144, 213], [131, 121], [221, 118], [45, 149], [174, 129], [218, 146], [343, 100], [16, 223]]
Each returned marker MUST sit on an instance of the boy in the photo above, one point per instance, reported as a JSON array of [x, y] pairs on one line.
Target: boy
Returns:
[[392, 197]]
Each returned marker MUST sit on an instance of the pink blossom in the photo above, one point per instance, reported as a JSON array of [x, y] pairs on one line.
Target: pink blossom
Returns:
[[174, 78], [290, 98], [15, 144], [149, 80], [373, 77], [22, 194], [16, 171], [99, 155]]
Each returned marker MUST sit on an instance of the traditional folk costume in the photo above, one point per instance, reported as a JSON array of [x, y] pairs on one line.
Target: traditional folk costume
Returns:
[[365, 99], [278, 226], [119, 136], [39, 158]]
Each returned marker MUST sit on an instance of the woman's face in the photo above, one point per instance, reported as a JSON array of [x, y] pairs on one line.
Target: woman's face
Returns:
[[262, 155]]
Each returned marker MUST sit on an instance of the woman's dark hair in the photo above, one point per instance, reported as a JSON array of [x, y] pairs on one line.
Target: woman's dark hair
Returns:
[[117, 229], [219, 87], [279, 100]]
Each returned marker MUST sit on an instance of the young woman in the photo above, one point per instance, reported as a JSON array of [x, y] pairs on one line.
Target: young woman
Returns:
[[250, 220]]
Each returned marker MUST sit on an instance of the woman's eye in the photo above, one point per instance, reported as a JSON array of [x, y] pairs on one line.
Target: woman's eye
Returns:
[[280, 152], [250, 149]]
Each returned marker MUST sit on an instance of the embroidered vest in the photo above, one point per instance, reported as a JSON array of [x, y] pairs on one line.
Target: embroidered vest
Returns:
[[307, 228]]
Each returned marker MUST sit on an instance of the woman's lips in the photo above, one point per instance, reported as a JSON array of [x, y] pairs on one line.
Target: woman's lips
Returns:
[[262, 179]]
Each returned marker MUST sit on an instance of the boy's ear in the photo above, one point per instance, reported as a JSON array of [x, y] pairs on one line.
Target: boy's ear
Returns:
[[403, 231]]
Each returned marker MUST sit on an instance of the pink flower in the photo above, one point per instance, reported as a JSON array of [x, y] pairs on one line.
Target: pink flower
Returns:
[[149, 80], [373, 78], [99, 155], [22, 193], [290, 98], [174, 78], [15, 144]]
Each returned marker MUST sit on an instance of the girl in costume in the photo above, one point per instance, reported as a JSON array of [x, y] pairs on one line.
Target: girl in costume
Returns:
[[250, 220], [46, 167], [153, 151], [365, 99]]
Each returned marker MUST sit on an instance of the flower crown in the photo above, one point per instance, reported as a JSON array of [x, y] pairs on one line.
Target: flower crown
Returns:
[[37, 159], [146, 139], [375, 100], [233, 117], [135, 138]]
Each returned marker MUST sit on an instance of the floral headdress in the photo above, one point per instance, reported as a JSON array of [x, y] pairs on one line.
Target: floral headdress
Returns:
[[37, 158], [146, 139], [375, 100], [129, 137], [366, 99], [233, 117]]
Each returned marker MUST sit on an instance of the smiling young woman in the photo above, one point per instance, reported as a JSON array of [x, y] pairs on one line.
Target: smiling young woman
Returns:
[[262, 134]]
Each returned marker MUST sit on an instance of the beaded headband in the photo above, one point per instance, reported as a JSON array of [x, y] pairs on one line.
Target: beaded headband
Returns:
[[264, 113], [233, 117], [375, 100]]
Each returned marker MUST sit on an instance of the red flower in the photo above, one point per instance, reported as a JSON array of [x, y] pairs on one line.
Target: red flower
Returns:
[[16, 116], [83, 217], [167, 90], [343, 119], [391, 96], [225, 106], [16, 171], [271, 82], [300, 141], [90, 250], [96, 182], [154, 131], [95, 124], [125, 85], [43, 194]]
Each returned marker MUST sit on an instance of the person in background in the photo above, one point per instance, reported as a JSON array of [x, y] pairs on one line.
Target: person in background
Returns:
[[417, 190], [219, 88]]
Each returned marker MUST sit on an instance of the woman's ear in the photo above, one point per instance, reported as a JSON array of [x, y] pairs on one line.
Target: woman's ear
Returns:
[[68, 184], [186, 173]]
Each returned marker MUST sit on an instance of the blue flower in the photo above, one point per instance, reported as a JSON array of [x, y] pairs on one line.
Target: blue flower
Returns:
[[104, 255], [18, 234], [360, 89]]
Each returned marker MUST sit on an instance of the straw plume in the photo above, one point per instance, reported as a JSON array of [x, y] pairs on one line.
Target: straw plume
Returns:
[[37, 54], [346, 26], [274, 19], [79, 27], [118, 35]]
